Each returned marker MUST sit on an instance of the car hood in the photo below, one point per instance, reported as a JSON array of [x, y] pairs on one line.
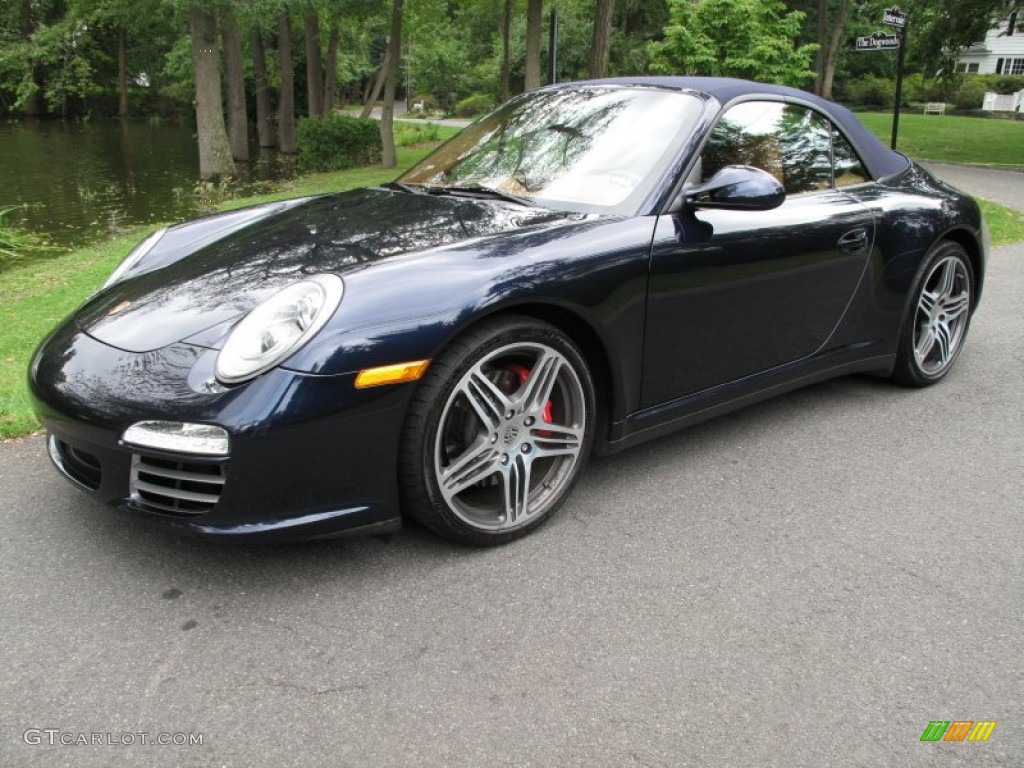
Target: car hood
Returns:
[[336, 233]]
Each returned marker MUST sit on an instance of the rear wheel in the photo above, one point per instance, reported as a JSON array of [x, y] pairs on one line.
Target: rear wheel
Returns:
[[936, 326], [498, 432]]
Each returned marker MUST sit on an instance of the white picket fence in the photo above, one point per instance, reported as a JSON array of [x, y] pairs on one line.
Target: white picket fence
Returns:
[[996, 102]]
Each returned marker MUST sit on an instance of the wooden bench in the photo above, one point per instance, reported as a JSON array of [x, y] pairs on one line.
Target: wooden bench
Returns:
[[935, 108]]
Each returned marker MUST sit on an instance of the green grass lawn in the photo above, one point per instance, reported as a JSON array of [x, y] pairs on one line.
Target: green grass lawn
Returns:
[[1006, 225], [950, 138], [36, 296]]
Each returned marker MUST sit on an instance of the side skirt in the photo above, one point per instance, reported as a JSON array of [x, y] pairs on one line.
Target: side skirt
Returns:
[[666, 418]]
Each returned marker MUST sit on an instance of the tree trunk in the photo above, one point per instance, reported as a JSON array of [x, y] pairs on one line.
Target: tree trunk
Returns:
[[314, 68], [331, 73], [286, 100], [378, 84], [534, 11], [33, 103], [833, 49], [387, 132], [370, 82], [601, 42], [264, 129], [238, 119], [506, 63], [122, 77], [821, 56], [214, 150]]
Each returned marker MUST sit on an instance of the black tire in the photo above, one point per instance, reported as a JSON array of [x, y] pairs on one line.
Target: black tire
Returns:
[[508, 407], [937, 318]]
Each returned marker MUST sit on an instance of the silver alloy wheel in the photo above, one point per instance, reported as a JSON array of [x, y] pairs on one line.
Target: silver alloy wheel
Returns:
[[510, 436], [942, 314]]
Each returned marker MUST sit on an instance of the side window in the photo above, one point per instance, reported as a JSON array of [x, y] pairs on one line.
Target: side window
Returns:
[[790, 142], [849, 169]]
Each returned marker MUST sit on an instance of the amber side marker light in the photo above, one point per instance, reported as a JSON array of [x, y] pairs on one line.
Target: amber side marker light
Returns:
[[391, 374]]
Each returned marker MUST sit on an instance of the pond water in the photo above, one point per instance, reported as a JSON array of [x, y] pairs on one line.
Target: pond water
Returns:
[[77, 182]]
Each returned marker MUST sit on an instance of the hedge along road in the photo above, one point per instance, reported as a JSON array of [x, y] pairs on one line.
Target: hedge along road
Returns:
[[810, 581]]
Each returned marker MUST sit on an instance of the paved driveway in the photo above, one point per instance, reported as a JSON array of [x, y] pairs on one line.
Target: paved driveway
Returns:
[[1001, 186]]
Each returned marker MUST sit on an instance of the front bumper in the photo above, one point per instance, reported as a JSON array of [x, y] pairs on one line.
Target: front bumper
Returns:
[[310, 456]]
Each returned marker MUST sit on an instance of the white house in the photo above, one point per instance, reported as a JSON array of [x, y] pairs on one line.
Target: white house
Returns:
[[1002, 51]]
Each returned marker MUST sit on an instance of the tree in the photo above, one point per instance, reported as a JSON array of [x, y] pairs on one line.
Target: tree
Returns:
[[387, 129], [331, 73], [378, 83], [264, 130], [534, 11], [602, 39], [314, 67], [441, 63], [941, 28], [506, 64], [734, 38], [238, 119], [214, 150], [830, 38], [128, 20], [286, 99]]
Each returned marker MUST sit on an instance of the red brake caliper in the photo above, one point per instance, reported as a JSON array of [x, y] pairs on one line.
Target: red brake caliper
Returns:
[[524, 373]]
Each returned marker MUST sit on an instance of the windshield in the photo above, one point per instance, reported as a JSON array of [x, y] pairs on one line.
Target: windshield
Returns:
[[586, 149]]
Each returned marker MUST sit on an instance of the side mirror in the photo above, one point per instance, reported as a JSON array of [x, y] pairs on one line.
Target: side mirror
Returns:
[[739, 187]]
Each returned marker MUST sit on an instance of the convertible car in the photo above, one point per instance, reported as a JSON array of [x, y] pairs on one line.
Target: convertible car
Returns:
[[591, 265]]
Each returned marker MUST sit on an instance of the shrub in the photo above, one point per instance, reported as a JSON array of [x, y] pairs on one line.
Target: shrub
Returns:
[[869, 91], [336, 142], [474, 105], [1002, 84], [918, 89], [971, 94]]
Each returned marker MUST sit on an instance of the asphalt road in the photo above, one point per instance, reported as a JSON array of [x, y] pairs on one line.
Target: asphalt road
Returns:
[[1005, 187], [808, 582]]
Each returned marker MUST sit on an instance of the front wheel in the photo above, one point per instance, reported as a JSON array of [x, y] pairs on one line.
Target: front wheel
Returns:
[[498, 432], [936, 326]]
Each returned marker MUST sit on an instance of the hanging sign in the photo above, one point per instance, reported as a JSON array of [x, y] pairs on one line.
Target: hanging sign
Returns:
[[894, 17], [880, 41]]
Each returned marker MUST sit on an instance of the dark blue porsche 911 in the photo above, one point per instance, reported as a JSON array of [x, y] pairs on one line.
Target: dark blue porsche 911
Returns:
[[590, 266]]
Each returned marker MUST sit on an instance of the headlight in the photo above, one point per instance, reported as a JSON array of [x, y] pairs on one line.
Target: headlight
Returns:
[[278, 327], [134, 256]]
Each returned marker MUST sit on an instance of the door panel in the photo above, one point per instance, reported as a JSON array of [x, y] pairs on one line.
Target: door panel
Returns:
[[734, 293]]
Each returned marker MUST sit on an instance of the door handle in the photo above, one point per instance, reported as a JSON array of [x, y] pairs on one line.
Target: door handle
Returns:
[[854, 241]]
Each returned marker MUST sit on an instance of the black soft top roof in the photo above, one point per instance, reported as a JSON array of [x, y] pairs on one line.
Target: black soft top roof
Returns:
[[879, 159]]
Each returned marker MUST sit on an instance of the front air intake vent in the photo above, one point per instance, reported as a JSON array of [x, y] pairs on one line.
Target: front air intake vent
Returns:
[[81, 466], [177, 487]]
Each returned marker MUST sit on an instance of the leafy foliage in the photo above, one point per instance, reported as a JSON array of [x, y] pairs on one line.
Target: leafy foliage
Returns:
[[735, 38], [868, 91], [474, 105], [336, 142], [965, 92], [942, 27]]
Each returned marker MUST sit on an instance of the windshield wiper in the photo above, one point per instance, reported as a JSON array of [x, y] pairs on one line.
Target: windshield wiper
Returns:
[[415, 189], [479, 190]]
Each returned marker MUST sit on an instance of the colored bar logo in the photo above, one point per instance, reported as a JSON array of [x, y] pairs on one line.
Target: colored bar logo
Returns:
[[958, 730]]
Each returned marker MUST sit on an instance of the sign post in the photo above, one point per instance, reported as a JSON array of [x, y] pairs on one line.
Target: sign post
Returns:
[[894, 17], [887, 41]]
